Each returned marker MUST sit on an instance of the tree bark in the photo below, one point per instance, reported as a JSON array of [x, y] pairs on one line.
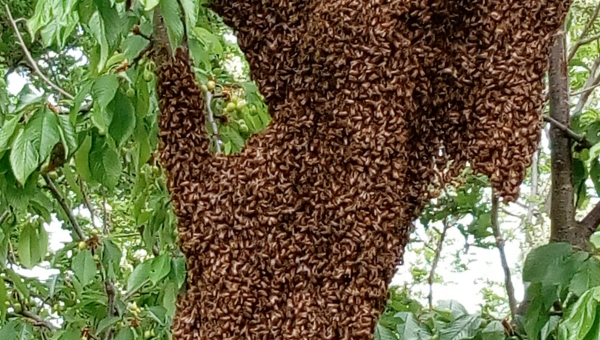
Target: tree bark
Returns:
[[562, 213]]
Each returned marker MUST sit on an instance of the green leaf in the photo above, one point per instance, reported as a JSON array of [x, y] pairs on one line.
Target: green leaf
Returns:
[[161, 266], [172, 15], [125, 334], [139, 276], [209, 40], [493, 331], [382, 333], [84, 267], [33, 245], [456, 309], [587, 277], [82, 161], [106, 322], [149, 4], [17, 281], [549, 328], [105, 163], [170, 299], [67, 135], [465, 327], [104, 89], [540, 260], [595, 174], [7, 130], [581, 316], [9, 330], [132, 46], [178, 273], [3, 300], [123, 118], [24, 157], [411, 328]]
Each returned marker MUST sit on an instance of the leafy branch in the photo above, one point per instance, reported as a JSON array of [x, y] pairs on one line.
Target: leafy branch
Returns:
[[436, 260]]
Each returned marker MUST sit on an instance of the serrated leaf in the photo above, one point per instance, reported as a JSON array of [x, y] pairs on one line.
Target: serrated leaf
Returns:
[[172, 16], [84, 267], [493, 331], [3, 299], [149, 4], [33, 245], [82, 162], [539, 260], [123, 118], [581, 316], [453, 307], [133, 45], [7, 130], [67, 135], [104, 89], [105, 164], [587, 277], [125, 334], [178, 273], [411, 328], [24, 157], [209, 40], [106, 322], [465, 327], [161, 266], [43, 130], [548, 328], [170, 298], [9, 330], [139, 276], [382, 333]]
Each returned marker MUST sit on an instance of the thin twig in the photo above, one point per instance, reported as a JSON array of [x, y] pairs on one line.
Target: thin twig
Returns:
[[570, 133], [86, 201], [63, 203], [35, 319], [590, 83], [436, 260], [510, 290], [31, 60], [212, 121]]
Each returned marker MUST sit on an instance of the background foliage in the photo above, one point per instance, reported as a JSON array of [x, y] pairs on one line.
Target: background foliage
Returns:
[[77, 155]]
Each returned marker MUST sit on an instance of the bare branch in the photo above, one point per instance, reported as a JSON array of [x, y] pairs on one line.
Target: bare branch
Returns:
[[32, 61], [591, 221], [35, 319], [589, 86], [570, 133], [86, 201], [63, 203], [436, 260], [510, 289], [211, 120]]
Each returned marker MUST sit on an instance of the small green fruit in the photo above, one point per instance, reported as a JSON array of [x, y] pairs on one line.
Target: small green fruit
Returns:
[[230, 107], [130, 93], [148, 76], [204, 88], [240, 105], [147, 334], [244, 127], [211, 85], [82, 245], [17, 307]]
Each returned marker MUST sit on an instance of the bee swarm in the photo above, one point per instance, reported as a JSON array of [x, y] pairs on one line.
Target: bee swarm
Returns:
[[375, 102]]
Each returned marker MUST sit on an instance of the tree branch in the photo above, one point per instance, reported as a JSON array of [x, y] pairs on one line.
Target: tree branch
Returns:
[[590, 222], [213, 123], [32, 61], [35, 319], [436, 260], [569, 132], [63, 203], [510, 289], [589, 86]]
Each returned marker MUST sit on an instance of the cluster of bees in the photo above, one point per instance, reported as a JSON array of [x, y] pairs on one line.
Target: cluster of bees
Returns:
[[375, 104]]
